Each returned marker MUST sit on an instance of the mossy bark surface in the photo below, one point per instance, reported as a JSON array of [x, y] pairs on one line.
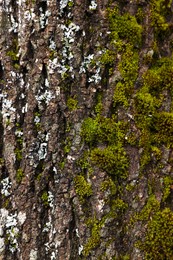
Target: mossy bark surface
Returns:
[[86, 129]]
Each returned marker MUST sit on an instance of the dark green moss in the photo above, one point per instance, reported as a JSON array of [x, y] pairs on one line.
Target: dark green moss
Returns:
[[163, 127], [111, 159], [19, 175], [18, 153], [159, 237]]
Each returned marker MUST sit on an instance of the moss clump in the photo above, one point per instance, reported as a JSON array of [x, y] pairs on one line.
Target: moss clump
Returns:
[[163, 126], [128, 66], [82, 187], [159, 237], [13, 54], [125, 27], [158, 9], [89, 130], [168, 182], [18, 153], [152, 206], [44, 198], [72, 104], [120, 95], [93, 241], [111, 159], [109, 185], [19, 175]]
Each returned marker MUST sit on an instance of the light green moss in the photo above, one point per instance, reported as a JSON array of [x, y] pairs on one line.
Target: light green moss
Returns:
[[72, 104], [125, 27], [44, 198], [82, 187], [18, 153], [168, 185], [19, 175]]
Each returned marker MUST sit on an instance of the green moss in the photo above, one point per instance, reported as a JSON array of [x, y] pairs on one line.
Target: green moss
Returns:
[[89, 130], [93, 241], [82, 187], [125, 27], [128, 66], [44, 198], [111, 159], [62, 164], [109, 185], [108, 58], [13, 54], [67, 145], [70, 3], [72, 104], [168, 185], [118, 205], [163, 127], [158, 8], [19, 175], [18, 153], [159, 237], [120, 96], [149, 209]]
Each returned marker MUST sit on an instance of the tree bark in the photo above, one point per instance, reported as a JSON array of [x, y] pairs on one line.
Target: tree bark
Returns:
[[86, 129]]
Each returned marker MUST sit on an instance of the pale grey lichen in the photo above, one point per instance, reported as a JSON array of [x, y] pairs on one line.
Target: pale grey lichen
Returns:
[[93, 5], [51, 199], [8, 223], [63, 5], [21, 217], [33, 254], [80, 249], [44, 17], [6, 186]]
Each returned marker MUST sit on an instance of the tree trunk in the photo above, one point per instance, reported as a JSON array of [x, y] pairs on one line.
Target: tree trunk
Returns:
[[86, 123]]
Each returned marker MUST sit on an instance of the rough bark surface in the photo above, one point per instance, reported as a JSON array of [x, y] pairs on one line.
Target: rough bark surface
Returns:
[[86, 129]]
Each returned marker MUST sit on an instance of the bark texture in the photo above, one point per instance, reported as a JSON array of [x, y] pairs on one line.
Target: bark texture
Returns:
[[86, 129]]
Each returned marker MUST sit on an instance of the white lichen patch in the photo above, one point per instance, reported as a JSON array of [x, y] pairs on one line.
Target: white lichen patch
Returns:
[[80, 249], [63, 5], [89, 65], [86, 62], [53, 256], [93, 5], [46, 97], [33, 254], [50, 199], [14, 24], [6, 186], [21, 217], [42, 152], [47, 227], [44, 17], [95, 77], [29, 14], [9, 228], [65, 65], [2, 244], [52, 45], [12, 231]]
